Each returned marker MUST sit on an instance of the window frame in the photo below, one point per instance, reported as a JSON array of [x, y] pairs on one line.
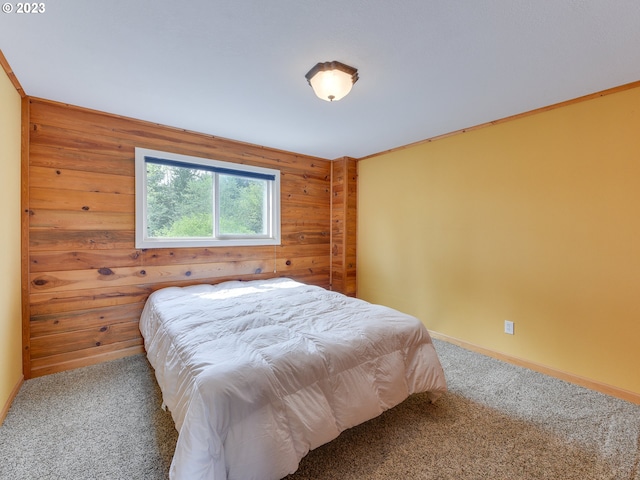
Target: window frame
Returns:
[[143, 241]]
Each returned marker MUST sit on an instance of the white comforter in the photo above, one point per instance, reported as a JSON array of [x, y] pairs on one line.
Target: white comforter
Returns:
[[258, 373]]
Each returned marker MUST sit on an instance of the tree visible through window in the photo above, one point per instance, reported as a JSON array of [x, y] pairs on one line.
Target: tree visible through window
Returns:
[[179, 202], [189, 201], [242, 203]]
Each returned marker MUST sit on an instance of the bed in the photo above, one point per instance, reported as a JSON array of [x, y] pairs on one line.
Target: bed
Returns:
[[256, 374]]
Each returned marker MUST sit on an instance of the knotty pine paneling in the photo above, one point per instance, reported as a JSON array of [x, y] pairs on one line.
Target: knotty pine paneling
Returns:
[[343, 225], [86, 281]]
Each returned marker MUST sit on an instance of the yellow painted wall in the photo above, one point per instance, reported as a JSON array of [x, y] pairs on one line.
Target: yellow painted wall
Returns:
[[10, 297], [535, 220]]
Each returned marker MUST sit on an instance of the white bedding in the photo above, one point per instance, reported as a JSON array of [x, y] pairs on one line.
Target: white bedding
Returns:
[[258, 373]]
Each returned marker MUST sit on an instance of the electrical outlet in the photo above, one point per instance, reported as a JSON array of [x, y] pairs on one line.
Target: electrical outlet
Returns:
[[508, 327]]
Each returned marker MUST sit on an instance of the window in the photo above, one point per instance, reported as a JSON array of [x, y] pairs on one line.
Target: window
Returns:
[[184, 201]]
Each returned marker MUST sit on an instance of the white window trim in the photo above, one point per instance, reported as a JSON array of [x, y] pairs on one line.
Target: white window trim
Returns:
[[143, 241]]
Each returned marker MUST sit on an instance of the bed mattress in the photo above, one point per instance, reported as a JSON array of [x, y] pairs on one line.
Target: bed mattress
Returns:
[[256, 374]]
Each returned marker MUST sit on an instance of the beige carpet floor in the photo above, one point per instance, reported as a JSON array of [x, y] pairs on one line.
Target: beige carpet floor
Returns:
[[498, 421]]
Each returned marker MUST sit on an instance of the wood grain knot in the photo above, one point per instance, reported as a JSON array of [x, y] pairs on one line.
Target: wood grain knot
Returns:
[[258, 270], [288, 262], [105, 271], [188, 274], [40, 282], [85, 208], [104, 329]]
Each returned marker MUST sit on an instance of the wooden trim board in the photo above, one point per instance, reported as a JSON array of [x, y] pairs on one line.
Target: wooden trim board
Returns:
[[552, 372], [12, 76], [12, 395], [24, 253], [584, 98]]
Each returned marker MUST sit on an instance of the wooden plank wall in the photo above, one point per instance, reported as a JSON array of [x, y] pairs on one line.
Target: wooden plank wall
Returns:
[[86, 282], [343, 225]]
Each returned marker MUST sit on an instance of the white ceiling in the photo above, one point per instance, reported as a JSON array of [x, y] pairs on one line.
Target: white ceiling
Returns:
[[235, 68]]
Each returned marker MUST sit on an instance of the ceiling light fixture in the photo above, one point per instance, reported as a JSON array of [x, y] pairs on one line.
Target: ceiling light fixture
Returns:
[[331, 81]]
